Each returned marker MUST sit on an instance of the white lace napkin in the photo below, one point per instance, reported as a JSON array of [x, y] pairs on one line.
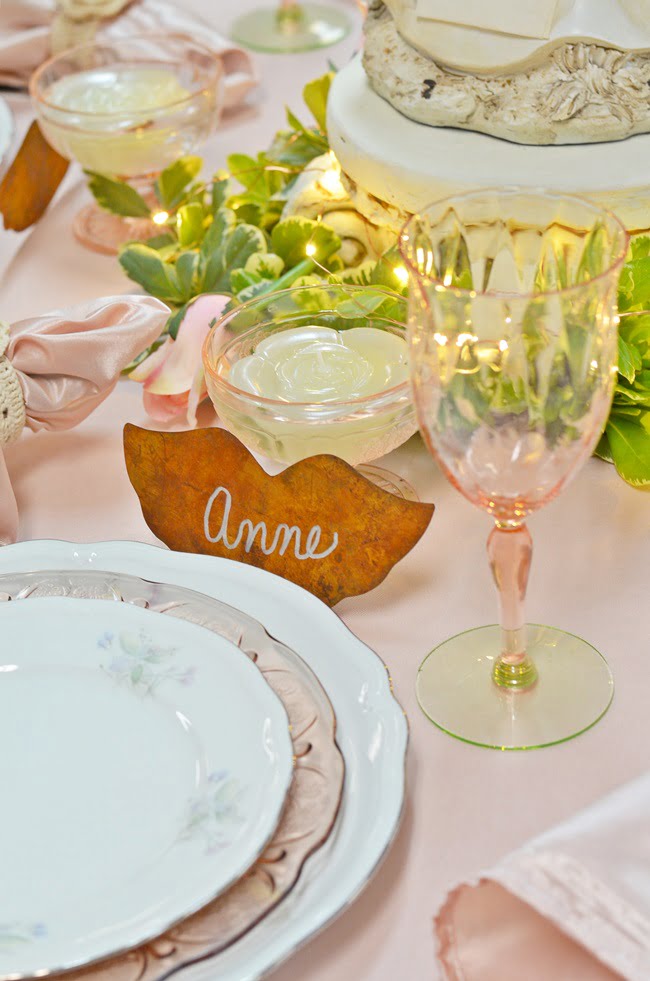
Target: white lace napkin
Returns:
[[26, 36], [572, 904]]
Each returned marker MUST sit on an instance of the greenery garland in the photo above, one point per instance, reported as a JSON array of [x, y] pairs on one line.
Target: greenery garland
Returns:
[[227, 235]]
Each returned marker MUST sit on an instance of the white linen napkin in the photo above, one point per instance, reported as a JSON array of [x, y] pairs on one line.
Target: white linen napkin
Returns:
[[26, 29], [573, 903]]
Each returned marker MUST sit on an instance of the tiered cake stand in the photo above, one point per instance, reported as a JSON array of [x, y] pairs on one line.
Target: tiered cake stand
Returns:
[[405, 165]]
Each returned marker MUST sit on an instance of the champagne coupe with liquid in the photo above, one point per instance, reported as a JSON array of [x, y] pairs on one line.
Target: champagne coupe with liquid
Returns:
[[513, 332], [291, 27], [127, 109]]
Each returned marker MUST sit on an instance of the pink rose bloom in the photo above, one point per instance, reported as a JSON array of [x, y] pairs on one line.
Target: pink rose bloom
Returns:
[[173, 375]]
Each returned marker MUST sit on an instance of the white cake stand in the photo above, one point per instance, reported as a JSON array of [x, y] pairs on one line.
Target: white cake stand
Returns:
[[408, 165]]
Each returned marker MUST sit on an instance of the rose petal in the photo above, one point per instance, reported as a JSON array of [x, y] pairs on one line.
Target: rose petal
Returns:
[[196, 395], [164, 408], [179, 368], [151, 367]]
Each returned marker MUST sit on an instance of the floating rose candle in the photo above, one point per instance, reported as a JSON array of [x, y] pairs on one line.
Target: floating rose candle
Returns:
[[312, 389], [319, 364]]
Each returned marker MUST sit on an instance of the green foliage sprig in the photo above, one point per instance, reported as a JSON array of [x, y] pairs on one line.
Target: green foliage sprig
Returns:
[[227, 235], [626, 440]]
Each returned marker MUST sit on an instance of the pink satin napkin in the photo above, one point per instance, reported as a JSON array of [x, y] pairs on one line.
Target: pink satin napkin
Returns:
[[572, 905], [25, 27], [55, 369]]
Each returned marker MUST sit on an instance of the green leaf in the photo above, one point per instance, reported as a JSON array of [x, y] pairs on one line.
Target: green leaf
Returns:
[[227, 246], [189, 224], [224, 222], [265, 264], [253, 291], [357, 275], [629, 360], [241, 280], [221, 191], [116, 196], [315, 94], [162, 241], [629, 442], [186, 268], [295, 150], [248, 171], [363, 305], [310, 135], [603, 449], [244, 242], [634, 285], [291, 236], [173, 181], [635, 330], [144, 266], [640, 247], [293, 121]]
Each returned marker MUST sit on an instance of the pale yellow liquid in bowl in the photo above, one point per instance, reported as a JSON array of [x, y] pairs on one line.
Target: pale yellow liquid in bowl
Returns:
[[125, 120]]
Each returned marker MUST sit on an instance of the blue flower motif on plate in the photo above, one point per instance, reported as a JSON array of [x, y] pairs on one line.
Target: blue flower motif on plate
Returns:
[[140, 663]]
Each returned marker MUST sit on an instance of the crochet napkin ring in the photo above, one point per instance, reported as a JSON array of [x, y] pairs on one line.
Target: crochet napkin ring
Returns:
[[12, 400]]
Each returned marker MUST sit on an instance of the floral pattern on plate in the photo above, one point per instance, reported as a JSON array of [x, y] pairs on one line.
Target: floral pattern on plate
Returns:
[[21, 933], [140, 663], [214, 813]]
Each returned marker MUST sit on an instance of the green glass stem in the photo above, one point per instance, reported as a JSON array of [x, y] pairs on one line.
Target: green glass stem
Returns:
[[510, 550]]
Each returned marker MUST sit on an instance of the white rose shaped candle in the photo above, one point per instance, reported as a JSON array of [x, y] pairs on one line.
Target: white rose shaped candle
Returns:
[[293, 393], [319, 364]]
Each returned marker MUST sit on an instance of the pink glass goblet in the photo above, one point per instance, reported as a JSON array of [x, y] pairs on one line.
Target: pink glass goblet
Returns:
[[513, 348]]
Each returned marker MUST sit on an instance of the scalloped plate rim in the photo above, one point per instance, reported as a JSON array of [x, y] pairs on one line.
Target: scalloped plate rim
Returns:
[[260, 598]]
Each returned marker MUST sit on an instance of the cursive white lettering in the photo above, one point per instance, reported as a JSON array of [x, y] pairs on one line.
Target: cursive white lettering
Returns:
[[283, 533]]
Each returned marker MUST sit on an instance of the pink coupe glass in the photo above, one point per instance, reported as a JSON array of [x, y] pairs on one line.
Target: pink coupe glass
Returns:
[[513, 347]]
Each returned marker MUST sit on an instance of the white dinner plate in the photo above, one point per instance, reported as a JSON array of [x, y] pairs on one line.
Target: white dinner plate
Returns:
[[144, 765], [372, 731]]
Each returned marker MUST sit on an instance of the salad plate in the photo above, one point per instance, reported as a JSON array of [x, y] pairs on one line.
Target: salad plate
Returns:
[[314, 796], [372, 732], [146, 762]]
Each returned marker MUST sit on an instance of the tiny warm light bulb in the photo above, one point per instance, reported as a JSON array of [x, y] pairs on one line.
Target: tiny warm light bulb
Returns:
[[503, 345], [401, 274], [160, 217], [310, 249]]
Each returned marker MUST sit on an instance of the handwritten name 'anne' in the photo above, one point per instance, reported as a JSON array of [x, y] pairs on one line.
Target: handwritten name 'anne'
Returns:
[[281, 539]]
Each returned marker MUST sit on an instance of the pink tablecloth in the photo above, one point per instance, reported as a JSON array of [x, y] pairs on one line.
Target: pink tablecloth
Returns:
[[466, 806]]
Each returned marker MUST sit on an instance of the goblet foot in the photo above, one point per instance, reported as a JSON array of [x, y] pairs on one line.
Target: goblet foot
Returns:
[[456, 690], [387, 481], [103, 232], [303, 27]]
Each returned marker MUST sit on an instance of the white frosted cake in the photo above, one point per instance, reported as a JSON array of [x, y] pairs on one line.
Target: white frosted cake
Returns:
[[434, 108]]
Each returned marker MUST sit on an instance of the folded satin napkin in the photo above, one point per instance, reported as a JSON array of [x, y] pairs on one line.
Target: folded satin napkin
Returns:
[[26, 35], [573, 904], [55, 369]]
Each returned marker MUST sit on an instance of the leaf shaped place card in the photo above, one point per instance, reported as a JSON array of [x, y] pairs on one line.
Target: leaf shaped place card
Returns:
[[319, 523]]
